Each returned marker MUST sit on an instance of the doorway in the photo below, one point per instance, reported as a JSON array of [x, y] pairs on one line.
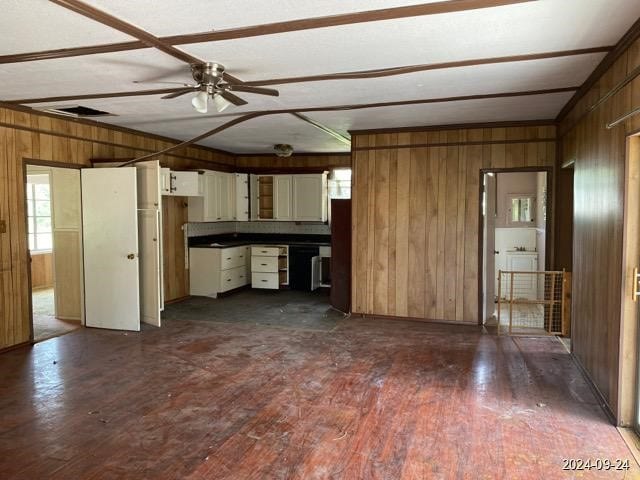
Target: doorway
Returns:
[[514, 222], [54, 238]]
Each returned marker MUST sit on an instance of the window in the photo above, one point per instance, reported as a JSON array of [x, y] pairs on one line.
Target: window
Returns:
[[39, 213], [340, 183]]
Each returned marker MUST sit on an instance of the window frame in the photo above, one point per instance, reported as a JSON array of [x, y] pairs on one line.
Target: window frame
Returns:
[[31, 202]]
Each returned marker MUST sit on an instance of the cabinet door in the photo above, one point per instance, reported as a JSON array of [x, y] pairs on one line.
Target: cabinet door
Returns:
[[211, 203], [242, 197], [165, 181], [309, 198], [282, 201], [228, 204], [185, 184]]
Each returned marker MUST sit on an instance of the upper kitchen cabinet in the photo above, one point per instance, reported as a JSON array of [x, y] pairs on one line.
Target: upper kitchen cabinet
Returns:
[[180, 184], [310, 197], [289, 197], [218, 202]]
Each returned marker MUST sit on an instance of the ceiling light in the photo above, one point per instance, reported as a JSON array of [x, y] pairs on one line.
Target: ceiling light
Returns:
[[220, 102], [199, 102], [283, 149]]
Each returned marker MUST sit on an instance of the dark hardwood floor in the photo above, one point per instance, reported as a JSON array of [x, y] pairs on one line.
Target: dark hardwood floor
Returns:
[[366, 399]]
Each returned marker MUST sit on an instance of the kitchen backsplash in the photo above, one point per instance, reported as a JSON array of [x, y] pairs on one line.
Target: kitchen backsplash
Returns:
[[218, 228]]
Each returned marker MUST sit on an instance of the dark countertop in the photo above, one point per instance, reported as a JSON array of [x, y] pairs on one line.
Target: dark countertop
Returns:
[[238, 240]]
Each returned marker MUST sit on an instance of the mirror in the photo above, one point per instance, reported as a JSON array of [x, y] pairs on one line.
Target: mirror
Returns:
[[520, 209]]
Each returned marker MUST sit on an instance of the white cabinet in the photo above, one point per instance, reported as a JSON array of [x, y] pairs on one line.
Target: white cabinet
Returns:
[[242, 197], [282, 197], [289, 197], [310, 197], [179, 184], [269, 266], [217, 202], [525, 286], [218, 270]]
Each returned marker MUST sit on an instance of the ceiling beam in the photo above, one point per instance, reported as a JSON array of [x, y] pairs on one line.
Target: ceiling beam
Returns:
[[265, 29], [333, 133], [193, 140], [398, 103], [93, 96], [622, 46], [402, 70], [353, 75], [145, 37]]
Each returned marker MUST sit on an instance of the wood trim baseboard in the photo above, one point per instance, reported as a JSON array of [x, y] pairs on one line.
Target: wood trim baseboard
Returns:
[[15, 347], [413, 319], [602, 401], [177, 300]]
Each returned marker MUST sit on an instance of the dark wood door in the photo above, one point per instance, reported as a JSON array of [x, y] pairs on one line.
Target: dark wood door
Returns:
[[341, 255]]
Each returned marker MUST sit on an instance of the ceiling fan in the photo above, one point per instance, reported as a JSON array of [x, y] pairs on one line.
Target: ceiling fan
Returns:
[[213, 86]]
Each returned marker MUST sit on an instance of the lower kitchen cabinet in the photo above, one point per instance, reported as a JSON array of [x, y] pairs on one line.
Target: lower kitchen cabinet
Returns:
[[269, 266], [217, 270]]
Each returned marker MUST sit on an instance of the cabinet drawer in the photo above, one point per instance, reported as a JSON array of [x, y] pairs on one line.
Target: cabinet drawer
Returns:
[[264, 280], [268, 251], [233, 278], [265, 264], [232, 257]]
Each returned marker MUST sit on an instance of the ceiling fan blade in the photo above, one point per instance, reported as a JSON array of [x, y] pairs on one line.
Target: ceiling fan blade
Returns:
[[237, 101], [184, 91], [183, 84], [257, 90], [227, 77]]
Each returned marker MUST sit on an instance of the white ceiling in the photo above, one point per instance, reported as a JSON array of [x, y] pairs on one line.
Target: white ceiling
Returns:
[[531, 27]]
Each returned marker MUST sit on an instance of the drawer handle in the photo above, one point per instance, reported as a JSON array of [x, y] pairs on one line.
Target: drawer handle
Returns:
[[241, 256], [263, 264], [265, 281], [241, 276], [264, 251], [229, 258], [228, 279]]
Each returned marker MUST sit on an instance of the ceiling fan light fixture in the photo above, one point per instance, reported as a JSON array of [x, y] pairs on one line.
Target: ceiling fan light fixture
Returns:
[[200, 101], [220, 102]]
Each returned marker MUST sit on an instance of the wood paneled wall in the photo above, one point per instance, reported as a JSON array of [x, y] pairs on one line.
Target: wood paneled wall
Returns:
[[599, 171], [301, 161], [416, 215], [42, 137], [41, 270]]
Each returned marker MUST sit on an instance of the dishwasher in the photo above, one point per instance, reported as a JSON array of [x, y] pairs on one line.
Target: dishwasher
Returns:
[[300, 260]]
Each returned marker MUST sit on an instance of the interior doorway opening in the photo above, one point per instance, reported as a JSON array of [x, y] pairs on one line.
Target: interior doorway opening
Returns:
[[54, 240], [515, 236]]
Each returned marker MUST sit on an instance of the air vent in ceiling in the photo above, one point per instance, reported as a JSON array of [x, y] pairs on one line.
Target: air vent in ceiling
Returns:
[[77, 111]]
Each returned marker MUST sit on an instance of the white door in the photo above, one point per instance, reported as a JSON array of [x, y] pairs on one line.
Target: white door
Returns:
[[110, 237], [149, 198], [282, 201]]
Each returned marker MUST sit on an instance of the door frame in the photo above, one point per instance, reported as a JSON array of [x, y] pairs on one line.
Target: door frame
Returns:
[[550, 207], [27, 161], [629, 351]]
